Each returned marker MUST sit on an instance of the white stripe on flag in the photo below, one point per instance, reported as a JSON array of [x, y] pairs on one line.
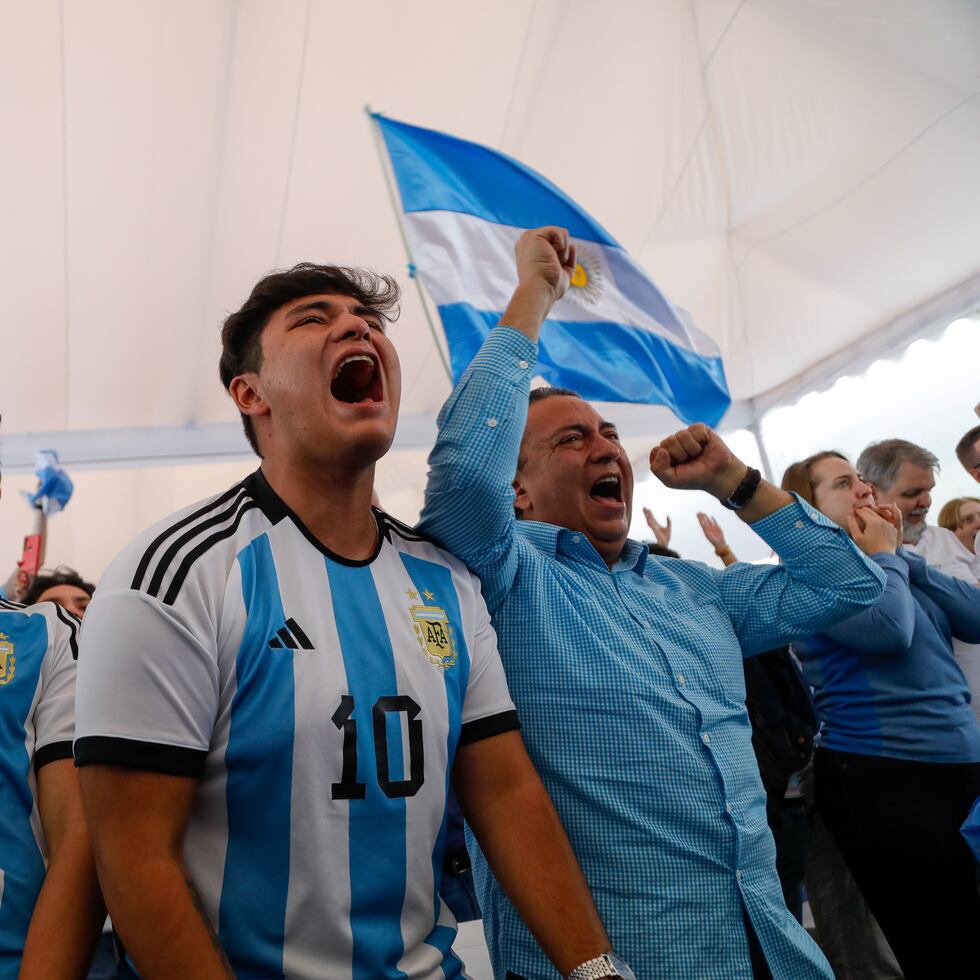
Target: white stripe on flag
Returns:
[[465, 259]]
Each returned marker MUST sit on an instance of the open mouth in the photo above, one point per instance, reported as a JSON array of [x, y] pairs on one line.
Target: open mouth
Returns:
[[607, 489], [357, 381]]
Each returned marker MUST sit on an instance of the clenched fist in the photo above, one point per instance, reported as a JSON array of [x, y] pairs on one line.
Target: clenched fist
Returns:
[[545, 263], [545, 259], [696, 459]]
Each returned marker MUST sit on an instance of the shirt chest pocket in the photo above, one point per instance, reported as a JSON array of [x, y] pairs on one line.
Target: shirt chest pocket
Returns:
[[702, 649]]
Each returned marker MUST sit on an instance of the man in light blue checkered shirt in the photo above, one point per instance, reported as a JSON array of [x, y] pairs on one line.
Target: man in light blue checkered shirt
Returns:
[[626, 668]]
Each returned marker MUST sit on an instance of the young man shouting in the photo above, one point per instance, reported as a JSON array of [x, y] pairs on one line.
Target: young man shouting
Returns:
[[278, 682]]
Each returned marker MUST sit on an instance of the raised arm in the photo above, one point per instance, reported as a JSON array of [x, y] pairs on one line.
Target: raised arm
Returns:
[[469, 498], [823, 576], [958, 599]]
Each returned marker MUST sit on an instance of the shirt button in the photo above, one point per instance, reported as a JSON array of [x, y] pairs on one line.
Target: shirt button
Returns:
[[798, 525], [706, 738], [728, 808], [575, 539], [491, 423], [522, 364], [738, 874], [681, 679]]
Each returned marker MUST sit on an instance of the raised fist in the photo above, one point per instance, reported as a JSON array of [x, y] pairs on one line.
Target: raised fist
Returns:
[[545, 260], [697, 459]]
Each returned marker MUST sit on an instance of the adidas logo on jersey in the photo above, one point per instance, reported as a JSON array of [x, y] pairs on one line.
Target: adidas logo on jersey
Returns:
[[291, 636]]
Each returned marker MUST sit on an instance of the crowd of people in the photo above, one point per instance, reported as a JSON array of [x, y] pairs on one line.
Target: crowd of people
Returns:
[[258, 752]]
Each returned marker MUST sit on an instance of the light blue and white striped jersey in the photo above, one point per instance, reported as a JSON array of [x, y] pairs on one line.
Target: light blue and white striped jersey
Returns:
[[320, 702], [38, 650]]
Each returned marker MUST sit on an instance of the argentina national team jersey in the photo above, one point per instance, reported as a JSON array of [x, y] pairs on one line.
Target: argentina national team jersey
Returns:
[[320, 702], [38, 649]]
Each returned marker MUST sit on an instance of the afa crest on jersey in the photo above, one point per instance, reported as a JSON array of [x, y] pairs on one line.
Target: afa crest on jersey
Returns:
[[434, 631], [7, 659]]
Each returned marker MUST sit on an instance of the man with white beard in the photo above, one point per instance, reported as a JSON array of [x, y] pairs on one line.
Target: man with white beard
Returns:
[[904, 474]]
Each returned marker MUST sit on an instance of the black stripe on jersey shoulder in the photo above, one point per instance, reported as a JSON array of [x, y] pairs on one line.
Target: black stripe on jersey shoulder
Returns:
[[51, 753], [204, 546], [167, 558], [12, 606], [474, 731], [73, 623], [275, 508], [169, 532], [174, 760], [391, 525]]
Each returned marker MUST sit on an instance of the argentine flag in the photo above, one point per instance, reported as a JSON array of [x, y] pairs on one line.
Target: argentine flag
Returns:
[[613, 337]]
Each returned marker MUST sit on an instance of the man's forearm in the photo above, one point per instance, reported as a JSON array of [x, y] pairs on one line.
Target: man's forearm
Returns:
[[68, 916], [766, 500], [527, 310], [526, 847], [158, 914]]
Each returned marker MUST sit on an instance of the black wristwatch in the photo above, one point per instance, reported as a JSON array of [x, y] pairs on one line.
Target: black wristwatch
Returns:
[[745, 491]]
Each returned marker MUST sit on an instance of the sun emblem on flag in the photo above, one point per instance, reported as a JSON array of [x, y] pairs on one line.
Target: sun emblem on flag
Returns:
[[7, 659], [435, 633], [585, 285]]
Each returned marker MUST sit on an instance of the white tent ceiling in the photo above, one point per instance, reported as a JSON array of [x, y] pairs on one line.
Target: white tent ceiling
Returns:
[[802, 176]]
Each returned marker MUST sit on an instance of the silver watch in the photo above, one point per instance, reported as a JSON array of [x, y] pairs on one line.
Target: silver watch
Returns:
[[607, 965]]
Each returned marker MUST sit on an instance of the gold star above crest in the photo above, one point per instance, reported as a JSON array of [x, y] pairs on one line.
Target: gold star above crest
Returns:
[[412, 594], [428, 595]]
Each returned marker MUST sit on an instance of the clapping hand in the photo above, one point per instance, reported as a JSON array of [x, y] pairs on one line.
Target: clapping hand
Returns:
[[712, 531], [661, 532], [716, 538]]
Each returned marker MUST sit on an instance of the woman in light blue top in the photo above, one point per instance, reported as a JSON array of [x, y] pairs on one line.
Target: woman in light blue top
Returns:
[[899, 760]]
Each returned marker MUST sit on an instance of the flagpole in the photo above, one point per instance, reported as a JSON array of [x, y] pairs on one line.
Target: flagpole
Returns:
[[390, 185]]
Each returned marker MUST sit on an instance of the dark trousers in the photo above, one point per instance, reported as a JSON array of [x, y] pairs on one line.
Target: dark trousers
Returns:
[[788, 823], [897, 825]]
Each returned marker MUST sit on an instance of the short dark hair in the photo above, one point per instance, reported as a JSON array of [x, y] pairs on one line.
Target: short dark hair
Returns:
[[662, 550], [62, 575], [241, 347], [964, 448], [540, 394]]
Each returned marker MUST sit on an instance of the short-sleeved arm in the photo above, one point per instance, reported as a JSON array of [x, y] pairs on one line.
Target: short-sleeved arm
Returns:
[[54, 714], [469, 498], [148, 687], [822, 578], [487, 707]]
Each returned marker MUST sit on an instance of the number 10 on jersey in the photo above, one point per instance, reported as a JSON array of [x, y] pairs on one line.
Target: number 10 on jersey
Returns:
[[344, 718]]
